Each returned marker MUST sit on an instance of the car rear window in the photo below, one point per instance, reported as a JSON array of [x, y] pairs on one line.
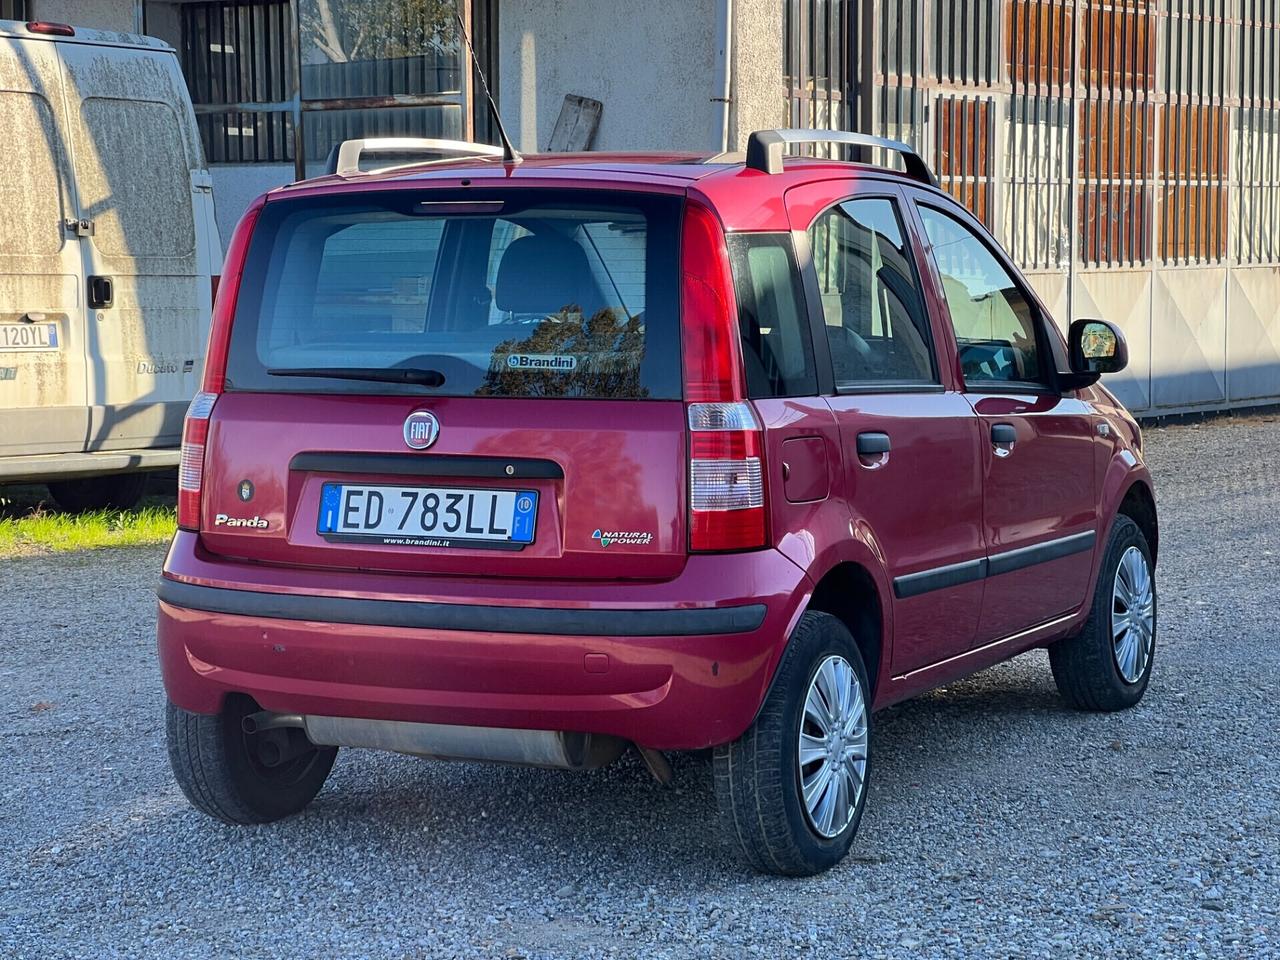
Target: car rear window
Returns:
[[502, 294]]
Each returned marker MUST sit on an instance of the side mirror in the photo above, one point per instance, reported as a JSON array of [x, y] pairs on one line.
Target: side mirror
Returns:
[[1096, 347]]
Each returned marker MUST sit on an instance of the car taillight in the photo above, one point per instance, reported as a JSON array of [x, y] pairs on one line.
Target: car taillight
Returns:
[[726, 446], [708, 311], [726, 478], [225, 293], [195, 433], [195, 429]]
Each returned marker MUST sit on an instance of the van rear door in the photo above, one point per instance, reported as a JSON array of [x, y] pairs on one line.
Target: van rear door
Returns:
[[138, 173], [42, 333]]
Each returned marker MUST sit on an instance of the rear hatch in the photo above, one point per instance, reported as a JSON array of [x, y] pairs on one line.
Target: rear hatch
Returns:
[[484, 382]]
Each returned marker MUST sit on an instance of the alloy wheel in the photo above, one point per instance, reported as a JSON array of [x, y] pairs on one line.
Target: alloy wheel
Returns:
[[833, 747], [1133, 615]]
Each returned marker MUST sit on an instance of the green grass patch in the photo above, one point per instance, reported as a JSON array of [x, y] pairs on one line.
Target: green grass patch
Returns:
[[30, 524]]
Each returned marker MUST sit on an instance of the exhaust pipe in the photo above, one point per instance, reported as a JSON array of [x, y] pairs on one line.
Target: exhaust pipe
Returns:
[[265, 720], [531, 748]]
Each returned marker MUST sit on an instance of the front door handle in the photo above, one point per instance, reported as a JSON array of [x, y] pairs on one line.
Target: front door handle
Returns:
[[872, 444], [1003, 437]]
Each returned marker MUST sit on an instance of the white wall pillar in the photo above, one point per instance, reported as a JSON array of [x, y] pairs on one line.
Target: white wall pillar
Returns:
[[119, 15]]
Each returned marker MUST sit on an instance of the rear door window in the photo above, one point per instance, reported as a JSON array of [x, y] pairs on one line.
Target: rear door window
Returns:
[[526, 294], [876, 321]]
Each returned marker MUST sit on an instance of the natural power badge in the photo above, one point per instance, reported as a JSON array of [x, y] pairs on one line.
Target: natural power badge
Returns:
[[635, 538]]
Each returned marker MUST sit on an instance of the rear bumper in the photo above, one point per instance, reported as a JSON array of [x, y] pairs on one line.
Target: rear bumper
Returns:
[[675, 666]]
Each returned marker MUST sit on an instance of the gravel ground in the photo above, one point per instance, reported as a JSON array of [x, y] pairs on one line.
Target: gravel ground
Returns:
[[999, 823]]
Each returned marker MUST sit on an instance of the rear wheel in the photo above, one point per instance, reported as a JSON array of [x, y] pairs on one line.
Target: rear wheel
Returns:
[[791, 790], [1107, 665], [240, 777], [115, 491]]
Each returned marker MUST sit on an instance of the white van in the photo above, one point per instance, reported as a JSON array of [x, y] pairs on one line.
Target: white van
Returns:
[[108, 256]]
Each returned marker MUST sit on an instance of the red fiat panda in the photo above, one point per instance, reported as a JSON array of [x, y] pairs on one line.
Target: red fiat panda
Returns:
[[538, 463]]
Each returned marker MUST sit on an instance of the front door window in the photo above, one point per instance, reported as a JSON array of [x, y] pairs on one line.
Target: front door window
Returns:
[[994, 323]]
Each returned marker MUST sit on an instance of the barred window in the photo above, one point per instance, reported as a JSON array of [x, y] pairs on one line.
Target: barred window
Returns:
[[820, 63], [1118, 63], [261, 70], [965, 41], [964, 164], [1258, 133], [1193, 148], [240, 53], [1037, 162]]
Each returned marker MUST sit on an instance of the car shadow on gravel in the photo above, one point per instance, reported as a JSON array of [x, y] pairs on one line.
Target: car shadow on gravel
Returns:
[[507, 820]]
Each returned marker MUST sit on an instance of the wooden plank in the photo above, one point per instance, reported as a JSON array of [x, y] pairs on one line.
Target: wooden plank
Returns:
[[575, 128]]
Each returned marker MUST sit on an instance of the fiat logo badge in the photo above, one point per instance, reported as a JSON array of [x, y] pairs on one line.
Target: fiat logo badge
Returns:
[[421, 429]]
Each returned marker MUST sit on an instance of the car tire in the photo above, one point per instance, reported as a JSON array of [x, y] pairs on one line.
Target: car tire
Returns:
[[114, 491], [1107, 665], [222, 773], [758, 777]]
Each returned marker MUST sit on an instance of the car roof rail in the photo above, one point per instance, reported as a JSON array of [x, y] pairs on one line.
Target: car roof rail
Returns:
[[766, 148], [344, 159]]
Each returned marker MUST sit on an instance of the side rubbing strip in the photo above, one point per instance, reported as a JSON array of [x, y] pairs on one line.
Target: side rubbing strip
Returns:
[[1039, 553], [939, 578], [557, 621]]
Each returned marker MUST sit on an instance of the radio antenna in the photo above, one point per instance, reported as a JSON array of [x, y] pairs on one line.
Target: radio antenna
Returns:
[[509, 154]]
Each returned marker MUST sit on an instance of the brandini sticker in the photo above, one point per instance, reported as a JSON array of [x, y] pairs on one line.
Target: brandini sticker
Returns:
[[541, 361], [631, 538]]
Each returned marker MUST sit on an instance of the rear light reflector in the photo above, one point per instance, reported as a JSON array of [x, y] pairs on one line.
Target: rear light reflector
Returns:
[[50, 29], [195, 433], [726, 478]]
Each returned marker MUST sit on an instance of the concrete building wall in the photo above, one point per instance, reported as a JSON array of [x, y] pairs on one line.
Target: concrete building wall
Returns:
[[235, 186], [759, 102], [100, 14], [652, 63]]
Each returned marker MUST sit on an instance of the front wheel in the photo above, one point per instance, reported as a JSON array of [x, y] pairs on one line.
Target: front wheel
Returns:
[[1107, 665], [791, 790]]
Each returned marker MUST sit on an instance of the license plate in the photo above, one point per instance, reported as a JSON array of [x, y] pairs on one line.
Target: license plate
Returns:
[[428, 516], [28, 336]]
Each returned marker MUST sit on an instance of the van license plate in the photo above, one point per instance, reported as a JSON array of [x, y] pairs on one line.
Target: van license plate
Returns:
[[428, 516], [28, 336]]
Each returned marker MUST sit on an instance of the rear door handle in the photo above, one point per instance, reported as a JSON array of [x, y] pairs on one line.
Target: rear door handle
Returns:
[[1003, 433], [1003, 437], [872, 444]]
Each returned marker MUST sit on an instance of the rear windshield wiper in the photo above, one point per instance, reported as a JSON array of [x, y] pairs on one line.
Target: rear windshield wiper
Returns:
[[415, 375]]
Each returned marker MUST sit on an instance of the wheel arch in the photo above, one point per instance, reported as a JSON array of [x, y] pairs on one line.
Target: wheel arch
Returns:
[[1139, 505], [849, 592]]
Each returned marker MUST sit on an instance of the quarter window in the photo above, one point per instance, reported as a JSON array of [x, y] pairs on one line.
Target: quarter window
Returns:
[[876, 323], [776, 349], [994, 322]]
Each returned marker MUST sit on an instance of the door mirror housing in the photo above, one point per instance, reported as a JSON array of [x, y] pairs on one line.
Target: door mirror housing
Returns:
[[1097, 347], [1094, 347]]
